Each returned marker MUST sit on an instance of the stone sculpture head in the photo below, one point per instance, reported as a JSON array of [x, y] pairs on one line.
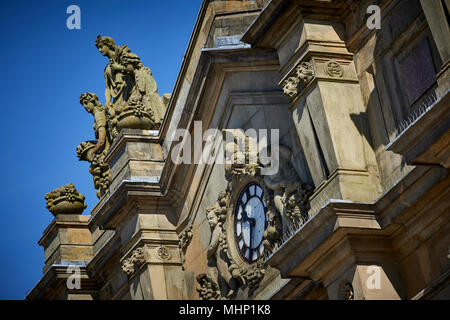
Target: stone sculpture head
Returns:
[[290, 86], [212, 217], [89, 101], [305, 72], [105, 45]]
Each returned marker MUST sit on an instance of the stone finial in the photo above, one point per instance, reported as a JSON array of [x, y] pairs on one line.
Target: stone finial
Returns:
[[65, 200]]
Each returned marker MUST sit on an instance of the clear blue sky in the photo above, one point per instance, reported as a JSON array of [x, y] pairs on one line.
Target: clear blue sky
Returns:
[[45, 68]]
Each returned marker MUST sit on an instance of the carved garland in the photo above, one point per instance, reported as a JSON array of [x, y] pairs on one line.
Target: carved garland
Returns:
[[185, 239]]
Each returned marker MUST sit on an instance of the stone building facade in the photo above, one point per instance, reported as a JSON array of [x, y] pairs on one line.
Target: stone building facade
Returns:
[[359, 207]]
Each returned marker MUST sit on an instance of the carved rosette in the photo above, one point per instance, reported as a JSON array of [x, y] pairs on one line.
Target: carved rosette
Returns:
[[164, 253], [134, 262], [299, 79], [65, 200], [334, 69]]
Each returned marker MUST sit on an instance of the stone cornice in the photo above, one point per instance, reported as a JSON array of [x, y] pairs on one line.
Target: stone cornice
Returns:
[[332, 10], [425, 139], [56, 277]]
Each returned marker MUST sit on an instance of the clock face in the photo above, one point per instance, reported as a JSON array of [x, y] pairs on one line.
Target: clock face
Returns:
[[250, 222]]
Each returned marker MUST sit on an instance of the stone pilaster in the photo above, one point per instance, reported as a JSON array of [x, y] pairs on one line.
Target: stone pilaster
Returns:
[[149, 261], [67, 239], [328, 112]]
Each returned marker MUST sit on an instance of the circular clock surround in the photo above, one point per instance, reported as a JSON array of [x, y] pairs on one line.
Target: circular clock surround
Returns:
[[250, 222]]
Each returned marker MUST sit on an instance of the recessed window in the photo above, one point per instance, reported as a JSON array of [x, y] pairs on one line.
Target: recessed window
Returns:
[[417, 71]]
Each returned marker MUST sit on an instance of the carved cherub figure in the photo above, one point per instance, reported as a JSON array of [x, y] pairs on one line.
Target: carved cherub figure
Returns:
[[95, 151], [218, 261]]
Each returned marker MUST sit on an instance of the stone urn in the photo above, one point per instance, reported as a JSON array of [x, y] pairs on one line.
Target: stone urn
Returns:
[[65, 200], [132, 115], [85, 150]]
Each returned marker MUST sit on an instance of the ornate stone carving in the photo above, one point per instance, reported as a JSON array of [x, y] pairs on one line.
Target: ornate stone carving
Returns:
[[303, 75], [134, 262], [305, 72], [221, 268], [253, 275], [207, 289], [295, 199], [163, 253], [285, 195], [128, 267], [334, 69], [132, 99], [288, 198], [95, 151], [290, 87], [185, 239], [274, 229], [65, 200], [346, 292]]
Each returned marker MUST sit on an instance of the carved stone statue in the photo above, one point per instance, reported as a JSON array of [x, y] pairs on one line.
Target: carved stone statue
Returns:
[[65, 200], [131, 94], [95, 151], [90, 102], [220, 268]]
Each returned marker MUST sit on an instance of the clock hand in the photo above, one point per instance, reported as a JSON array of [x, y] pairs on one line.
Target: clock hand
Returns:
[[252, 223], [245, 218]]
